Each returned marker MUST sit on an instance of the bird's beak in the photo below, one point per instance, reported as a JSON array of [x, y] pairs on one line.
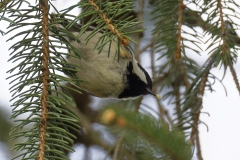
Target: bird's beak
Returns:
[[150, 91]]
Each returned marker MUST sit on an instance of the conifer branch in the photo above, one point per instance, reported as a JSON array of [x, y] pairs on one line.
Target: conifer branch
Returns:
[[181, 7], [222, 27], [164, 112], [146, 136], [198, 146], [195, 132], [138, 103], [45, 77], [148, 129], [150, 45], [123, 39]]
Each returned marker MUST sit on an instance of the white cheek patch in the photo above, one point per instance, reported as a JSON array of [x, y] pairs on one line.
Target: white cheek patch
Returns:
[[138, 71]]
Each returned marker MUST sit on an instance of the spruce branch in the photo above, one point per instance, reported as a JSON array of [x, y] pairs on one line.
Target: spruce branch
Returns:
[[95, 138], [181, 7], [37, 87], [172, 39], [112, 18], [124, 40], [195, 133], [45, 78], [222, 26], [223, 36], [164, 113], [149, 136], [37, 61]]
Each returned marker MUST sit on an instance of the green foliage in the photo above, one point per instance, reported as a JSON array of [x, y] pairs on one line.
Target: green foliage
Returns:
[[139, 134], [110, 18], [223, 37], [166, 17], [27, 79], [166, 28], [145, 136], [27, 86], [222, 45]]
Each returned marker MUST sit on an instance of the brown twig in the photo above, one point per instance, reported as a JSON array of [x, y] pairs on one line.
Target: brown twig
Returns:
[[198, 21], [160, 78], [164, 113], [95, 137], [181, 7], [146, 47], [124, 40], [184, 76], [138, 103], [45, 78], [199, 152], [195, 133]]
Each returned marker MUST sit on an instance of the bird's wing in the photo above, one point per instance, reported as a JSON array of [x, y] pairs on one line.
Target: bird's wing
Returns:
[[125, 52]]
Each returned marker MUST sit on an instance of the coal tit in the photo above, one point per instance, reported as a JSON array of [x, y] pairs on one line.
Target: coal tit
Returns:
[[107, 75]]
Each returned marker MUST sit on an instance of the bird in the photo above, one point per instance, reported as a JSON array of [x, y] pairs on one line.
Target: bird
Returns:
[[112, 73]]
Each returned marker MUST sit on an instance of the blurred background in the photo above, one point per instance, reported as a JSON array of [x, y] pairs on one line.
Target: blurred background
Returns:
[[219, 141]]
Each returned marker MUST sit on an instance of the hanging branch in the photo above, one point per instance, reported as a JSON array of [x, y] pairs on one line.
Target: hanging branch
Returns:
[[181, 7], [224, 48], [195, 134], [45, 78], [170, 42], [37, 61], [223, 32], [163, 113], [37, 89], [124, 40], [222, 27]]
